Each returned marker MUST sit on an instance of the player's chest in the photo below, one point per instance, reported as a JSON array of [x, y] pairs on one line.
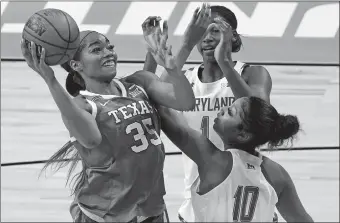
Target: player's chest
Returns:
[[123, 110]]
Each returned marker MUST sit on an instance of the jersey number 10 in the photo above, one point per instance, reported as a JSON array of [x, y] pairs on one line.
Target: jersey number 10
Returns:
[[245, 201]]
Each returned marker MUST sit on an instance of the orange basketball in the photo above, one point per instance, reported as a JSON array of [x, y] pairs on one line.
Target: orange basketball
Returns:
[[54, 30]]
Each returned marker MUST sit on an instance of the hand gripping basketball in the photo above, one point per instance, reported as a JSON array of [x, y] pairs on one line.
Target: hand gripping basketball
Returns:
[[37, 64]]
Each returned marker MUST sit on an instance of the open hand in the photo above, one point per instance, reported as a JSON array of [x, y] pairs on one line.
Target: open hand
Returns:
[[198, 25], [224, 47], [156, 41]]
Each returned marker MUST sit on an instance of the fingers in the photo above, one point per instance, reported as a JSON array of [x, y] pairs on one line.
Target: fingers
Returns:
[[34, 55], [204, 15], [42, 58], [195, 16], [164, 38], [211, 27], [169, 50], [26, 52], [150, 23], [221, 22]]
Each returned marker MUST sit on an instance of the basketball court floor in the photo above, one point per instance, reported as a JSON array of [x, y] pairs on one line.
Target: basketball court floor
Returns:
[[31, 129]]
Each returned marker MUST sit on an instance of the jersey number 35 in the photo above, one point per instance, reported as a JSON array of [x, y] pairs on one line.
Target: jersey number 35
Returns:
[[140, 136]]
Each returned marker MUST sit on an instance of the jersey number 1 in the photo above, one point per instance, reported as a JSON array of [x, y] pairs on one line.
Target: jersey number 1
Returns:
[[245, 201], [205, 126]]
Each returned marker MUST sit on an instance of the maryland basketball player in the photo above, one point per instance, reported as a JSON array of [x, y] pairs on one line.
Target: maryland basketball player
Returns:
[[239, 184], [115, 129], [217, 81]]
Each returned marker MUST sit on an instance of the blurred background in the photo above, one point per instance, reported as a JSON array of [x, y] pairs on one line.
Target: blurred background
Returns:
[[298, 42]]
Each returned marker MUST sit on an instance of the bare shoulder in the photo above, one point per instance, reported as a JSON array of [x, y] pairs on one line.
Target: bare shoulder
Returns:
[[81, 101], [274, 173], [254, 71]]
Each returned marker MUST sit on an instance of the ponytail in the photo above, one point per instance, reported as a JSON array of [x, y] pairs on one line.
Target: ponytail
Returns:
[[285, 129], [74, 82], [68, 154]]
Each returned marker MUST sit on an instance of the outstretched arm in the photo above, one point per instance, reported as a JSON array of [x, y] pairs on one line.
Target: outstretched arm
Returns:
[[191, 142], [80, 123], [150, 64], [193, 34], [289, 204], [174, 92], [256, 81]]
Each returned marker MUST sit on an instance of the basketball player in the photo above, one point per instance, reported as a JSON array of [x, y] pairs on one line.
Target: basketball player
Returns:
[[114, 128], [239, 184], [217, 81]]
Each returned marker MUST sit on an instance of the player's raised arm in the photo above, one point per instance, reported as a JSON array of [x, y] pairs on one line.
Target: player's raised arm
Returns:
[[193, 34], [189, 141], [148, 25], [174, 92], [256, 80], [80, 123], [289, 204]]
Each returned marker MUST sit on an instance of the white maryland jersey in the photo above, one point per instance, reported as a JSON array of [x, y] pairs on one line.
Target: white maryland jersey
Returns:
[[210, 98], [244, 196]]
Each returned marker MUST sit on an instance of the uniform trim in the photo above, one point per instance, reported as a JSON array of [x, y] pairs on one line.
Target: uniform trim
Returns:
[[94, 108], [121, 86], [90, 215]]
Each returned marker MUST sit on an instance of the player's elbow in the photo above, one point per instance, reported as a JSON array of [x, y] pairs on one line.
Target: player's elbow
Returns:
[[188, 104], [92, 142]]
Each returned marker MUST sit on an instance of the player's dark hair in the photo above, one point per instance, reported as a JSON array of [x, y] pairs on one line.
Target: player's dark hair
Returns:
[[68, 154], [266, 125], [231, 19], [74, 82]]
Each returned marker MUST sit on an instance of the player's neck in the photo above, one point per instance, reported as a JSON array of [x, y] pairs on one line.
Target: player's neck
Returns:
[[211, 72], [100, 87]]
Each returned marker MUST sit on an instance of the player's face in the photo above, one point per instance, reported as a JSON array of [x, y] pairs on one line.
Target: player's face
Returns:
[[98, 58], [228, 120], [208, 43]]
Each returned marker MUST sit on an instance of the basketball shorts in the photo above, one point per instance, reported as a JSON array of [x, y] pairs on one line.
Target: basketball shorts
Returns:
[[81, 217]]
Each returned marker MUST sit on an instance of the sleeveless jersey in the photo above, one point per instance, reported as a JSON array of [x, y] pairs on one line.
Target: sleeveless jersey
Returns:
[[244, 196], [125, 172], [210, 98]]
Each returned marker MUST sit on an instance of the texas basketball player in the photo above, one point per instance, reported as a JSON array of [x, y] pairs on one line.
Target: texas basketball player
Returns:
[[114, 128]]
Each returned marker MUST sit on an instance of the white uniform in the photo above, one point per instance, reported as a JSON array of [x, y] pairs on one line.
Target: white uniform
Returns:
[[210, 98], [244, 196]]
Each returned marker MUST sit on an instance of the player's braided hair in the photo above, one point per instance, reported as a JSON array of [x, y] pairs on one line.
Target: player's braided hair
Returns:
[[230, 18]]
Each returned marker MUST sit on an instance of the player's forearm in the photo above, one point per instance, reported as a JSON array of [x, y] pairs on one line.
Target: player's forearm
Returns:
[[150, 63], [79, 122], [181, 57], [181, 89], [237, 84], [178, 132]]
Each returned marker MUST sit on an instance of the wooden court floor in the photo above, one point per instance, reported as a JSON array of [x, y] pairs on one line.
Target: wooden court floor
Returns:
[[31, 129]]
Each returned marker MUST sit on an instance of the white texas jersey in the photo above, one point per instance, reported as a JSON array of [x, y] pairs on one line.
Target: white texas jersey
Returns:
[[244, 196], [210, 98]]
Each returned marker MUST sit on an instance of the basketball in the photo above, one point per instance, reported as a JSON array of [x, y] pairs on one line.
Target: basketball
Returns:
[[54, 30]]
